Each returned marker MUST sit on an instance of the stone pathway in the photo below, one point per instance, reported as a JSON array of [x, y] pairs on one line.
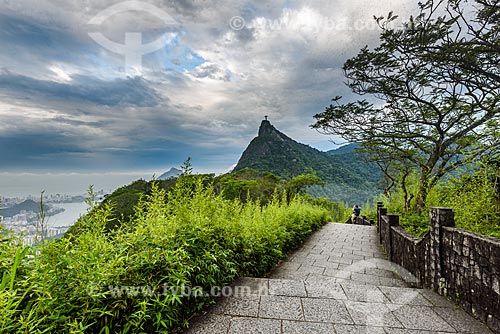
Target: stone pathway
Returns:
[[338, 282]]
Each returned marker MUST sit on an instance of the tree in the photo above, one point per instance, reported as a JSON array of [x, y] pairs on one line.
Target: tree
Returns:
[[41, 222], [434, 91], [299, 184], [186, 168], [395, 172]]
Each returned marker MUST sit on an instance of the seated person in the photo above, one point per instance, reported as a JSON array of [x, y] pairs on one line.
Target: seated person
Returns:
[[356, 211]]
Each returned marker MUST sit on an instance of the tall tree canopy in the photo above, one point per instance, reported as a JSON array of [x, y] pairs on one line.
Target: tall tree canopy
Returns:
[[433, 87]]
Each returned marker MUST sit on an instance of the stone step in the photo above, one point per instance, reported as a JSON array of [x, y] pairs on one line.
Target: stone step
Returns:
[[323, 305], [329, 288]]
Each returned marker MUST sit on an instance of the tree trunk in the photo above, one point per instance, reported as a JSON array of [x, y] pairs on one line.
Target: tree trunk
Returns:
[[406, 197], [423, 191]]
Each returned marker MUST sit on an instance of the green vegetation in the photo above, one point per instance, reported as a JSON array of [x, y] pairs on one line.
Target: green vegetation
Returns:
[[246, 185], [474, 196], [28, 205], [131, 279]]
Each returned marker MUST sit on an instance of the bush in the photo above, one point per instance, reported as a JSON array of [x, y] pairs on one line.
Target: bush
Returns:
[[119, 282], [475, 198], [473, 194]]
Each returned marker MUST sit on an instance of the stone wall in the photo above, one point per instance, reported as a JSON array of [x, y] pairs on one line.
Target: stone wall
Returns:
[[459, 264], [363, 221]]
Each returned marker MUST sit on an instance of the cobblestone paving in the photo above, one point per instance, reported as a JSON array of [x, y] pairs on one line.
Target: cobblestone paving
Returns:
[[340, 282]]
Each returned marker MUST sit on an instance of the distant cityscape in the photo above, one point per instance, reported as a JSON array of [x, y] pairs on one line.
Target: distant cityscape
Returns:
[[21, 215]]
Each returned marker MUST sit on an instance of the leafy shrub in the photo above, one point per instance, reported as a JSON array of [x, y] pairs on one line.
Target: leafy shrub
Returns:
[[415, 224], [475, 198], [473, 194], [119, 282]]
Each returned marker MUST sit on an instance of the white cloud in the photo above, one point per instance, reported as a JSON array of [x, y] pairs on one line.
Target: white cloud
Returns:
[[60, 74]]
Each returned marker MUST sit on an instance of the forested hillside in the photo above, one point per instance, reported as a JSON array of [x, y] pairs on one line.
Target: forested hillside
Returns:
[[346, 175]]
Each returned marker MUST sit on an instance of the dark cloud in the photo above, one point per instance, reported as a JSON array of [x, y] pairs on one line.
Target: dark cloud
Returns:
[[245, 35], [118, 92], [25, 149], [212, 71], [28, 45]]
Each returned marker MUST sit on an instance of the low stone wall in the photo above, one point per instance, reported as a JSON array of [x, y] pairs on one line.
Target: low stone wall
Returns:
[[363, 221], [407, 251], [459, 264], [471, 265]]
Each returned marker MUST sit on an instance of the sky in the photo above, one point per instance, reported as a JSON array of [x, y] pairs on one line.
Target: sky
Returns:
[[78, 96]]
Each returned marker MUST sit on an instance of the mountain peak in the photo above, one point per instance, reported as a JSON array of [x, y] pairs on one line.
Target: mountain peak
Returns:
[[173, 172], [266, 128]]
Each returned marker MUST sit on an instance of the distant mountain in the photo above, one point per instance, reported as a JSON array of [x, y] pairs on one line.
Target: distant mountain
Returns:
[[347, 176], [173, 172], [28, 206], [345, 149]]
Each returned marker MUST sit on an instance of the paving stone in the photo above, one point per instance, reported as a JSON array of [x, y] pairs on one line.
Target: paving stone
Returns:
[[305, 268], [337, 273], [314, 251], [353, 257], [344, 266], [363, 293], [286, 287], [461, 321], [404, 296], [356, 329], [382, 281], [298, 259], [218, 307], [290, 274], [325, 310], [242, 306], [350, 247], [421, 317], [370, 279], [368, 253], [281, 307], [296, 327], [373, 314], [214, 324], [250, 285], [338, 250], [254, 326], [325, 264], [324, 287], [324, 248], [311, 257], [389, 330], [289, 265], [436, 299], [381, 272], [340, 260]]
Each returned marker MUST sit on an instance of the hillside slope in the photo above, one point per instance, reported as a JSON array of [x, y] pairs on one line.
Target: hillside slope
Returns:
[[348, 178], [28, 206]]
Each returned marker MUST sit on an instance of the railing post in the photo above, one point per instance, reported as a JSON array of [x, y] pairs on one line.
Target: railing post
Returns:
[[381, 212], [440, 217], [379, 206], [393, 221]]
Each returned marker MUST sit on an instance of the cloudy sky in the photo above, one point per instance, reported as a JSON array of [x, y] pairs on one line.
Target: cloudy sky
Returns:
[[74, 99]]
